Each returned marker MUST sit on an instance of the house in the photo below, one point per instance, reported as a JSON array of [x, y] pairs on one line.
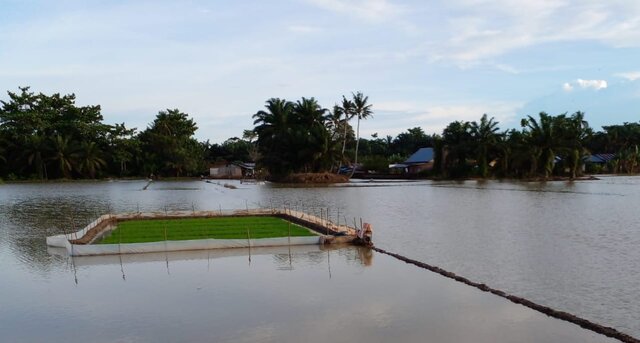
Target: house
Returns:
[[420, 160], [235, 170], [597, 163], [398, 168], [600, 158]]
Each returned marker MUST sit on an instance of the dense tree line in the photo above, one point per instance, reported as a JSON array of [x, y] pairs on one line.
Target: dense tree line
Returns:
[[303, 137], [544, 146], [50, 137]]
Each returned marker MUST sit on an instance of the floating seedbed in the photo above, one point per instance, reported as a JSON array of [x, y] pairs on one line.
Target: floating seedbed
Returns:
[[196, 230], [239, 227]]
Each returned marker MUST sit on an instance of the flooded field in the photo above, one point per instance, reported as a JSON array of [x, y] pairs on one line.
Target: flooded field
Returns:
[[570, 246]]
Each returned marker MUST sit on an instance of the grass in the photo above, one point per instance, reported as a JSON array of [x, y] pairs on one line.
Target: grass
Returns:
[[153, 230]]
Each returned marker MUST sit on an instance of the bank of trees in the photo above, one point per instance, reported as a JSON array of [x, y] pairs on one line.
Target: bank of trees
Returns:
[[545, 145], [304, 137], [50, 137]]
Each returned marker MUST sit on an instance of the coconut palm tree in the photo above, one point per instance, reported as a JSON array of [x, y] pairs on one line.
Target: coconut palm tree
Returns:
[[361, 110], [65, 155], [273, 128], [310, 134], [455, 148], [542, 138], [90, 159], [486, 137], [35, 152], [347, 110], [576, 130]]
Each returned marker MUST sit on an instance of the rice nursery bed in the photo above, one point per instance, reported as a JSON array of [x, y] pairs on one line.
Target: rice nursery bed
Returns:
[[153, 230]]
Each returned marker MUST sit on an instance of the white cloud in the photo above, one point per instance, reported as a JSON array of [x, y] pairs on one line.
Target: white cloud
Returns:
[[484, 29], [507, 68], [585, 84], [304, 29], [397, 116], [631, 76], [595, 84], [375, 10]]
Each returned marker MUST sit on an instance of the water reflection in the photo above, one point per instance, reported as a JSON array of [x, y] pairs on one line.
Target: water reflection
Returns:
[[216, 296], [571, 246], [287, 258]]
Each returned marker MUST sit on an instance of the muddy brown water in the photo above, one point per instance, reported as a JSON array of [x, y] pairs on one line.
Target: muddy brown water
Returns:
[[569, 246]]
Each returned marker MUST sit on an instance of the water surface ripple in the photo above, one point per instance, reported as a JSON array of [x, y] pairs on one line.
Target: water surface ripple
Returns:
[[572, 246]]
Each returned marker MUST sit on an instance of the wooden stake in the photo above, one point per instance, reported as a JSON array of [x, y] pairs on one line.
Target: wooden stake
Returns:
[[249, 242]]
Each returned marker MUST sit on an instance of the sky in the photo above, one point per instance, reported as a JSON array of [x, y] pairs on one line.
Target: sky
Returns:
[[421, 63]]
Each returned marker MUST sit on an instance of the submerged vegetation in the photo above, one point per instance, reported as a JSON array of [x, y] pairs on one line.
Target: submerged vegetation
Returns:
[[50, 137], [155, 230]]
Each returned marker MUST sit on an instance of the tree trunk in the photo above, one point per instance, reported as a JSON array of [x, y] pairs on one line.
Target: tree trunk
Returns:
[[344, 139], [355, 165]]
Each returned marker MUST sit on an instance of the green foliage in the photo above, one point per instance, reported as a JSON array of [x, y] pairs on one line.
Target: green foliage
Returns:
[[294, 137], [44, 132], [169, 147], [377, 163], [361, 110], [48, 136], [153, 230], [456, 148], [406, 143], [485, 137]]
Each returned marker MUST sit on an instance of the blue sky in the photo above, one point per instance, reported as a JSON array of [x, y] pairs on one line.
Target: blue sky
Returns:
[[422, 63]]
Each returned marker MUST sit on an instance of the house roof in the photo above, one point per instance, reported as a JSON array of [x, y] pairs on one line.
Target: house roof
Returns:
[[600, 158], [245, 165], [423, 155]]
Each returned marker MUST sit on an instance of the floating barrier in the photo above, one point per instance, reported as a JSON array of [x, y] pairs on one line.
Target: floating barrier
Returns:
[[584, 323]]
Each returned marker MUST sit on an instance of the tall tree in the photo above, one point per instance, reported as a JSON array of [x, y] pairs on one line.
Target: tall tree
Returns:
[[169, 144], [456, 148], [124, 147], [543, 139], [35, 150], [576, 132], [90, 160], [65, 155], [346, 109], [273, 130], [311, 135], [485, 135], [361, 110]]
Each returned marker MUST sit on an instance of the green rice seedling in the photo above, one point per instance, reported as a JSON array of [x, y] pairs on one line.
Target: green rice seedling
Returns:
[[155, 230]]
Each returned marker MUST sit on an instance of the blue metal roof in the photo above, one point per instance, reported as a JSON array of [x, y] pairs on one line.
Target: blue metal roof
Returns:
[[600, 158], [423, 155]]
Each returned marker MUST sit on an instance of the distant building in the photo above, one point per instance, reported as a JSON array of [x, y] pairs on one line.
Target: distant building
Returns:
[[598, 163], [235, 170], [600, 158], [420, 160]]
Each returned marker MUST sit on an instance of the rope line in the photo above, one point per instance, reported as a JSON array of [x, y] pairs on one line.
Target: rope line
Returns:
[[584, 323]]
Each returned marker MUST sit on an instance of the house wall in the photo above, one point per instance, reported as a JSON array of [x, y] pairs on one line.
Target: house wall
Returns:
[[226, 171], [416, 168]]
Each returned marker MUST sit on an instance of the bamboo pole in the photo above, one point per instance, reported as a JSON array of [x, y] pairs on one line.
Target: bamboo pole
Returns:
[[249, 242]]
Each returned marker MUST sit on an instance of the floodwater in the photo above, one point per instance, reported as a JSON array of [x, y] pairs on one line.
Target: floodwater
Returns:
[[570, 246]]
